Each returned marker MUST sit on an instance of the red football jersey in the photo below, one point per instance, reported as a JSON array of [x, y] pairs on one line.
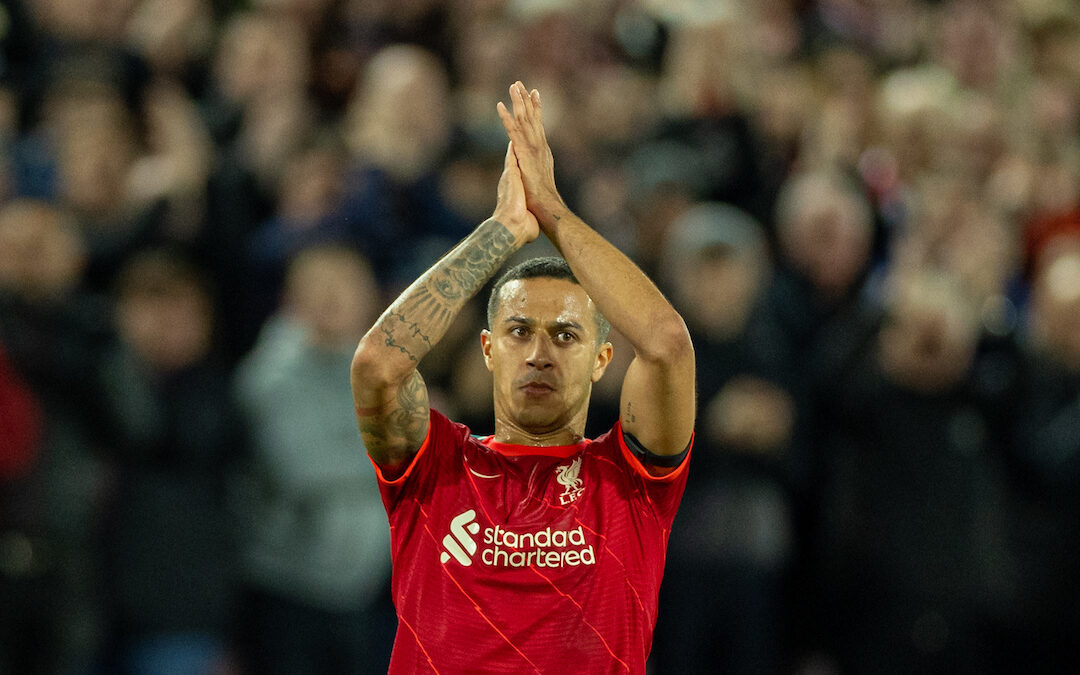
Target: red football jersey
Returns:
[[524, 559]]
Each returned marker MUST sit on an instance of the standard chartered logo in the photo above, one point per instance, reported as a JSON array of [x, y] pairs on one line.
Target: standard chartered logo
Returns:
[[507, 548], [459, 543]]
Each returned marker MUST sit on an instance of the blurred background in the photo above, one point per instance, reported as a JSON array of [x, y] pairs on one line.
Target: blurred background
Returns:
[[868, 212]]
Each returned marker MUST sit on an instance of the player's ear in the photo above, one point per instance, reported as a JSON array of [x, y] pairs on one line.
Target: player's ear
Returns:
[[603, 358], [485, 346]]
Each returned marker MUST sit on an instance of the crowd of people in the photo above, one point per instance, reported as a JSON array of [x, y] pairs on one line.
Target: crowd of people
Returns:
[[868, 211]]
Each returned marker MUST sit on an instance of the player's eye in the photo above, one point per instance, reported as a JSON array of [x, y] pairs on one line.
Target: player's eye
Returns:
[[519, 331], [565, 337]]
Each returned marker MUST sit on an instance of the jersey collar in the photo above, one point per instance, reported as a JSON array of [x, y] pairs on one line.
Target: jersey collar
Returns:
[[513, 450]]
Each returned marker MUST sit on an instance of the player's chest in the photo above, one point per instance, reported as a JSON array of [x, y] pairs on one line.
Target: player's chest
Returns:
[[520, 515], [531, 490]]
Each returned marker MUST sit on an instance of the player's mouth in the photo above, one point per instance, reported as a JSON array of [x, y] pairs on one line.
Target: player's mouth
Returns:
[[537, 388]]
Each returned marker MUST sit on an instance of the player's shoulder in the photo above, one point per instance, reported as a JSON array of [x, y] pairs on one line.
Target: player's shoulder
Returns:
[[444, 430], [607, 445], [454, 442], [608, 439]]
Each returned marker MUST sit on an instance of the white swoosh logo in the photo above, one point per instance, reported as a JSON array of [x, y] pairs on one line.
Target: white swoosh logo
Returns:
[[483, 475]]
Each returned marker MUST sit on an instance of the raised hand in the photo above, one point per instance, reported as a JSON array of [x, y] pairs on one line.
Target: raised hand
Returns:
[[510, 207], [525, 126]]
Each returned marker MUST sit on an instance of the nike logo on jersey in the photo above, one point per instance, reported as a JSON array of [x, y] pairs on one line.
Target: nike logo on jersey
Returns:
[[484, 475]]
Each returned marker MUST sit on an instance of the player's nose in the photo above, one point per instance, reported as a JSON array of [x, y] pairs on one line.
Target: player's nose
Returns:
[[539, 354]]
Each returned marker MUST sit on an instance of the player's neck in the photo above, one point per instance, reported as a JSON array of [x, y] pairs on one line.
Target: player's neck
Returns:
[[509, 432]]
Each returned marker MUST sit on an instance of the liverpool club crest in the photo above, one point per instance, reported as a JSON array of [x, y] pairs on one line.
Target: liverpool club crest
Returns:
[[569, 477]]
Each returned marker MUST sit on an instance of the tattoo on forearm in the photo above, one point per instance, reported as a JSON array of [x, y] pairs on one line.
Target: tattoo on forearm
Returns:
[[397, 321], [392, 343], [391, 429], [423, 315], [426, 307], [466, 273]]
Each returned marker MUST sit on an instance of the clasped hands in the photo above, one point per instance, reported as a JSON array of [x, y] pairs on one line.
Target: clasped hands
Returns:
[[528, 201]]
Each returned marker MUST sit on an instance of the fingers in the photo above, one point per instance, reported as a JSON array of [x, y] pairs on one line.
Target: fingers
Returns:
[[526, 103], [534, 95], [522, 109], [523, 116], [507, 118], [511, 117]]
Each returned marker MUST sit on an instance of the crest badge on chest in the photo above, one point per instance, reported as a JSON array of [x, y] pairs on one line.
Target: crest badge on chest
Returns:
[[569, 476]]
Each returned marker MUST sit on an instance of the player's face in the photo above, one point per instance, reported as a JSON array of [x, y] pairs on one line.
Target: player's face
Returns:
[[543, 354]]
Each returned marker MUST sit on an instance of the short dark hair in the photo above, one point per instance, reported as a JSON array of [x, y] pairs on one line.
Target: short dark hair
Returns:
[[547, 267]]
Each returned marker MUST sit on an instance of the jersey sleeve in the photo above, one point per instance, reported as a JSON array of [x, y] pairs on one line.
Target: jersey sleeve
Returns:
[[662, 493]]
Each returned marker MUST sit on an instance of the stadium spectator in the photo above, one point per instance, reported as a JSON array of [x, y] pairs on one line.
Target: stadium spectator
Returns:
[[315, 549]]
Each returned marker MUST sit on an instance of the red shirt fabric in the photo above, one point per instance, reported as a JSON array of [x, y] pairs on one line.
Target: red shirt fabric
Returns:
[[520, 559]]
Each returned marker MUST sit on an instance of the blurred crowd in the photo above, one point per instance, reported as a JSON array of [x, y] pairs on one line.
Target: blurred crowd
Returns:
[[868, 211]]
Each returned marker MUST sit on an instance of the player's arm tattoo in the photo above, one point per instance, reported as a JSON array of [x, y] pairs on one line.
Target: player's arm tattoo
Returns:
[[392, 433], [393, 410], [464, 273], [423, 314]]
